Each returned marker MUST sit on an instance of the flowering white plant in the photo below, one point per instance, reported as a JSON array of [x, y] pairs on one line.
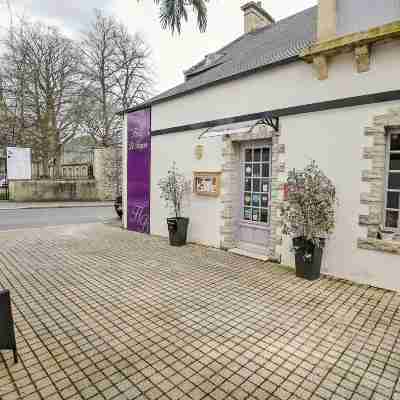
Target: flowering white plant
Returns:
[[173, 189], [309, 210]]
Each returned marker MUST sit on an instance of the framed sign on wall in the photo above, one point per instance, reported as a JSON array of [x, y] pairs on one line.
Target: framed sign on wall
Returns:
[[207, 183]]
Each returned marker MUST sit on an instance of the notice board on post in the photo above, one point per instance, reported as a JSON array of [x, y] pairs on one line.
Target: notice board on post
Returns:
[[138, 171], [19, 164]]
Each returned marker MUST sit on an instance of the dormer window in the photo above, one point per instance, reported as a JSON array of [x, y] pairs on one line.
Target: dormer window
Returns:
[[209, 61], [211, 58]]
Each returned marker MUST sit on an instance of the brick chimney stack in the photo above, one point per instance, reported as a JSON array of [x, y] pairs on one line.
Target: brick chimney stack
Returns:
[[255, 17], [327, 10]]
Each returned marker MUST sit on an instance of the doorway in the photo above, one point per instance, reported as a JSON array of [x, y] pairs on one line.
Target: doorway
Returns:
[[254, 211]]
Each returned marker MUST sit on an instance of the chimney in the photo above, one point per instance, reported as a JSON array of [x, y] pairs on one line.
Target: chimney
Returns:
[[255, 17], [326, 19]]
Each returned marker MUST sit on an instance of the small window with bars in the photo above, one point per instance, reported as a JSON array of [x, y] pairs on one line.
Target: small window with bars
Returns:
[[392, 208]]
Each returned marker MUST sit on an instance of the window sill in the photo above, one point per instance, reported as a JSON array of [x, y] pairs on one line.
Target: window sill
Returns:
[[256, 225], [390, 235], [384, 246]]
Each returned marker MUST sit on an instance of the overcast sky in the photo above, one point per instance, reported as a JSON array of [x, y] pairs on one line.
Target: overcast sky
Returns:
[[171, 54]]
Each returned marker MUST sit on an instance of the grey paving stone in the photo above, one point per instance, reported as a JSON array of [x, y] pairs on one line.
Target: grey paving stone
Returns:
[[106, 314]]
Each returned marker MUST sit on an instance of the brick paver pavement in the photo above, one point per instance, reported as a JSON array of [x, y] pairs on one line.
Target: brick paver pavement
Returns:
[[106, 314]]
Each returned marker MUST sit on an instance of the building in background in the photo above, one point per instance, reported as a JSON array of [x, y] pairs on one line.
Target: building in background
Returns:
[[322, 84]]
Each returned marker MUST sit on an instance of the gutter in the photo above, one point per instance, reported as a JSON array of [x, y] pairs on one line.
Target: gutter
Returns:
[[346, 102]]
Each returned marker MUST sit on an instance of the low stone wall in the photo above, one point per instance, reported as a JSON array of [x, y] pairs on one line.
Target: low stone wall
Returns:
[[53, 190], [107, 168]]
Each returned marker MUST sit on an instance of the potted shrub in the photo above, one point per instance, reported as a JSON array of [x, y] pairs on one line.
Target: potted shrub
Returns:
[[173, 189], [308, 215]]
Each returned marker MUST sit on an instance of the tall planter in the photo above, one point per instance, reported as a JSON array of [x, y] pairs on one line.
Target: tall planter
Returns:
[[308, 257], [177, 229], [174, 187], [308, 216]]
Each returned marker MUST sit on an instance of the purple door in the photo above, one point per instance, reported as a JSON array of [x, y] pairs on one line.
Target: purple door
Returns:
[[138, 171]]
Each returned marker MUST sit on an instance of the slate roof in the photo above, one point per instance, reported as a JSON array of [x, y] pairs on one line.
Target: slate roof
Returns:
[[277, 43]]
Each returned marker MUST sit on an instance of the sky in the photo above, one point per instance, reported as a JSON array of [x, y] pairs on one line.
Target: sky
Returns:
[[171, 54]]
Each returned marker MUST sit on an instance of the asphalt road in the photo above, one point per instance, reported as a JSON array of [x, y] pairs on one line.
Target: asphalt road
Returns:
[[33, 218]]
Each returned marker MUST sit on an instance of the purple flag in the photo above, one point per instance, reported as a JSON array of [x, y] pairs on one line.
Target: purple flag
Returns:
[[139, 160]]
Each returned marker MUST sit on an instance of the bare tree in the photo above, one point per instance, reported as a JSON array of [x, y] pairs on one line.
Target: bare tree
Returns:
[[116, 69], [14, 78], [42, 88], [53, 88]]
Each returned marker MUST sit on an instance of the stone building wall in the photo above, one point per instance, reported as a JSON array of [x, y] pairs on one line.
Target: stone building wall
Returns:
[[107, 169]]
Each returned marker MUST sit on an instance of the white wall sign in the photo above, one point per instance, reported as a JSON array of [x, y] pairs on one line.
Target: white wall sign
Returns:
[[19, 163]]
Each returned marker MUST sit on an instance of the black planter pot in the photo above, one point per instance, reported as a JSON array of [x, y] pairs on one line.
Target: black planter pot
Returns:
[[177, 228], [308, 258]]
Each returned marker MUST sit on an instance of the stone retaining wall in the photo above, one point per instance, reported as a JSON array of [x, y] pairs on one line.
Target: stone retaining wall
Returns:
[[107, 169], [53, 190]]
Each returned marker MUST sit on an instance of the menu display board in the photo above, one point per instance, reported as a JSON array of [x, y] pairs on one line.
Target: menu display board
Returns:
[[206, 183]]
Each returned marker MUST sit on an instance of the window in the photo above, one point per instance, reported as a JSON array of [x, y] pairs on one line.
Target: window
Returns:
[[392, 208], [256, 184]]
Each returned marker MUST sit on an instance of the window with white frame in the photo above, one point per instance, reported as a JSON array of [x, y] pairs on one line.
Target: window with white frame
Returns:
[[257, 183], [392, 202]]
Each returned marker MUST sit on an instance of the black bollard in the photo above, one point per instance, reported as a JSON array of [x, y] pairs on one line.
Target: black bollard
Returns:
[[7, 332]]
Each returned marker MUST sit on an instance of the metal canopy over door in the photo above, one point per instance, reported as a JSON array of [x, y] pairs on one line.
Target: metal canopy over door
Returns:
[[253, 230]]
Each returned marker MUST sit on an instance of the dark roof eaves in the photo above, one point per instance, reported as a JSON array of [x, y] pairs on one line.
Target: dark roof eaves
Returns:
[[212, 83], [141, 106]]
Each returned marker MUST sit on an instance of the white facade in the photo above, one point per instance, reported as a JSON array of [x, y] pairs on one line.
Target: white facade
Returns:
[[204, 212], [280, 87], [334, 138]]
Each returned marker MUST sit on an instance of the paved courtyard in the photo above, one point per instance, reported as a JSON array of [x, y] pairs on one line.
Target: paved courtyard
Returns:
[[106, 314]]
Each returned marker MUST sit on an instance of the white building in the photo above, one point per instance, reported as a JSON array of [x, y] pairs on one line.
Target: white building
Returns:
[[325, 82]]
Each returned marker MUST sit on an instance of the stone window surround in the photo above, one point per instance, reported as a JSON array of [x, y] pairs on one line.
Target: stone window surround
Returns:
[[375, 177], [230, 181]]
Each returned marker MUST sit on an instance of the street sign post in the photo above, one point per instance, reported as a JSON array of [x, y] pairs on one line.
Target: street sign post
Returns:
[[19, 164]]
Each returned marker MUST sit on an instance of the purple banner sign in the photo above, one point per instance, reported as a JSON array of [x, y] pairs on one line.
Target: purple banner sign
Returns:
[[139, 160]]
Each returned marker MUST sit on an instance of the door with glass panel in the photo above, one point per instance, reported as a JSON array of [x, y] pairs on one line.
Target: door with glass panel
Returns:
[[254, 218], [392, 212]]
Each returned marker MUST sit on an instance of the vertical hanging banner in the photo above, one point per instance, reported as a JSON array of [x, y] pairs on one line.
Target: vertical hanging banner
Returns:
[[138, 171]]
